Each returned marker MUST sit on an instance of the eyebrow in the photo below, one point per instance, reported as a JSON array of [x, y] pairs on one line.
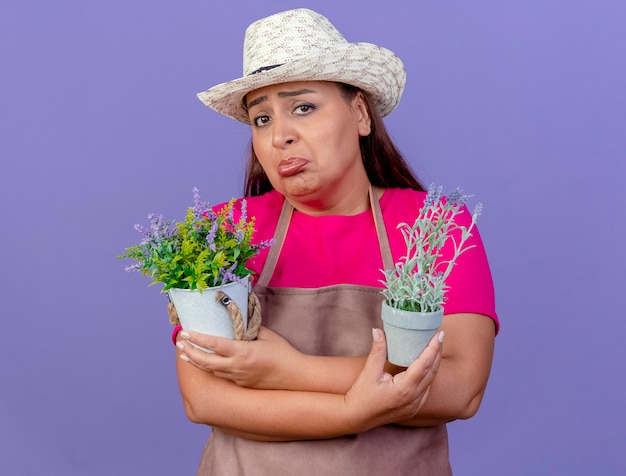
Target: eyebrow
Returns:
[[282, 94]]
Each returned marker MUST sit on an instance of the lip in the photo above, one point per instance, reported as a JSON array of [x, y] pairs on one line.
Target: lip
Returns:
[[291, 166]]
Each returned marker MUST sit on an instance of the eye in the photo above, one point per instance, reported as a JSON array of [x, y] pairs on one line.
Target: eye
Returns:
[[303, 109], [260, 121]]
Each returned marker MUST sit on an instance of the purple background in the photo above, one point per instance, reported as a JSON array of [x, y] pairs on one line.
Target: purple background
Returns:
[[522, 103]]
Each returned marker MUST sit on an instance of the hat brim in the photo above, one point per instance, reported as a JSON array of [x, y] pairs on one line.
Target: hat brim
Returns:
[[369, 67]]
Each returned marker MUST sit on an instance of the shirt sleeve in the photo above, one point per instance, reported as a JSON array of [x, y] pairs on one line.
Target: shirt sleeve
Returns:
[[470, 283]]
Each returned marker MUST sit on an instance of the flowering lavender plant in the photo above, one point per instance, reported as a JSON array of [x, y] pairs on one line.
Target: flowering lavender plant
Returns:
[[207, 249], [418, 282]]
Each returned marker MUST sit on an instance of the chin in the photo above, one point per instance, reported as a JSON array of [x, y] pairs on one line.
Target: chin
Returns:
[[296, 188]]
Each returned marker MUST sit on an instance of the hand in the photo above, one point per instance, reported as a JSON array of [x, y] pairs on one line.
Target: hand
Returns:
[[378, 398], [265, 363]]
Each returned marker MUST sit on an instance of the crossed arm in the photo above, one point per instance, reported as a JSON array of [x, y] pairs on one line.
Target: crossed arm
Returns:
[[267, 390]]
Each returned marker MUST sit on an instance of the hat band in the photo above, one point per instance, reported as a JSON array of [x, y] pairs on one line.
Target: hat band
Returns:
[[263, 69]]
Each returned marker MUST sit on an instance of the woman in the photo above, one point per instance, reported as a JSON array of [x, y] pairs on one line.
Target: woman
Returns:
[[314, 393]]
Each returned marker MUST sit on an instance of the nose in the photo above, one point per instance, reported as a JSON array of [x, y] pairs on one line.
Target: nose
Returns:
[[283, 132]]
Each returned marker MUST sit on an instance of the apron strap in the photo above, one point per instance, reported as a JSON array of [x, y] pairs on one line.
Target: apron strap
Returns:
[[381, 231], [279, 238], [283, 224]]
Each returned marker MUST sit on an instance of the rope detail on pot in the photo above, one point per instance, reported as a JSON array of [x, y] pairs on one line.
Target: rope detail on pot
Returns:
[[254, 318], [254, 315]]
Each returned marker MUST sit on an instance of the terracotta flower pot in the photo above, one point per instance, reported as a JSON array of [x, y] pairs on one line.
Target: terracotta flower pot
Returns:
[[408, 333]]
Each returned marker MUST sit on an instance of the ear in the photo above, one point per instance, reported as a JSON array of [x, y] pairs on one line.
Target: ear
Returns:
[[364, 123]]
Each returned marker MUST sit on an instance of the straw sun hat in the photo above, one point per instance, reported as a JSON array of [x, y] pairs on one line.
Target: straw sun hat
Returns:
[[302, 45]]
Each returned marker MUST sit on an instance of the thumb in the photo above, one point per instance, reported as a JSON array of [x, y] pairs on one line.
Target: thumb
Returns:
[[375, 363]]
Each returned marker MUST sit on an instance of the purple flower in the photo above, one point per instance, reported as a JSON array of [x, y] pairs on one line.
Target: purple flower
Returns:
[[478, 209], [155, 225], [244, 210], [164, 249], [239, 235], [228, 275], [210, 237], [433, 197], [266, 243], [456, 197], [201, 209], [196, 197]]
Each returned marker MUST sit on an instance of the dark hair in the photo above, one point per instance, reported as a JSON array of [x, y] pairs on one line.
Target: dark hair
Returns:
[[384, 164]]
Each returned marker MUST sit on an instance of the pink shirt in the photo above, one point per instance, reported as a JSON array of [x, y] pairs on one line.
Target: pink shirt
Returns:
[[327, 250]]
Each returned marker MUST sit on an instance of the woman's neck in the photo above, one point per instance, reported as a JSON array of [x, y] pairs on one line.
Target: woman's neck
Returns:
[[354, 202]]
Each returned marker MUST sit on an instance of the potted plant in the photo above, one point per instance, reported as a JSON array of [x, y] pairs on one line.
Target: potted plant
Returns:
[[414, 290], [196, 259]]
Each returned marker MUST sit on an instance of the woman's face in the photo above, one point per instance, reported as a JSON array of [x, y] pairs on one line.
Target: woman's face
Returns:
[[306, 138]]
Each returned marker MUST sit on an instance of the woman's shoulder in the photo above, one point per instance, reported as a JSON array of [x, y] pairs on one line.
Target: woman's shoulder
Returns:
[[268, 200], [264, 209], [395, 194], [401, 201], [259, 206], [402, 205]]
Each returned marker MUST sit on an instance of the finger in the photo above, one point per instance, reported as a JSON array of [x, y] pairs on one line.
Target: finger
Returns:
[[181, 352], [429, 359], [197, 357], [184, 357], [440, 338], [219, 345], [375, 363], [199, 365]]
